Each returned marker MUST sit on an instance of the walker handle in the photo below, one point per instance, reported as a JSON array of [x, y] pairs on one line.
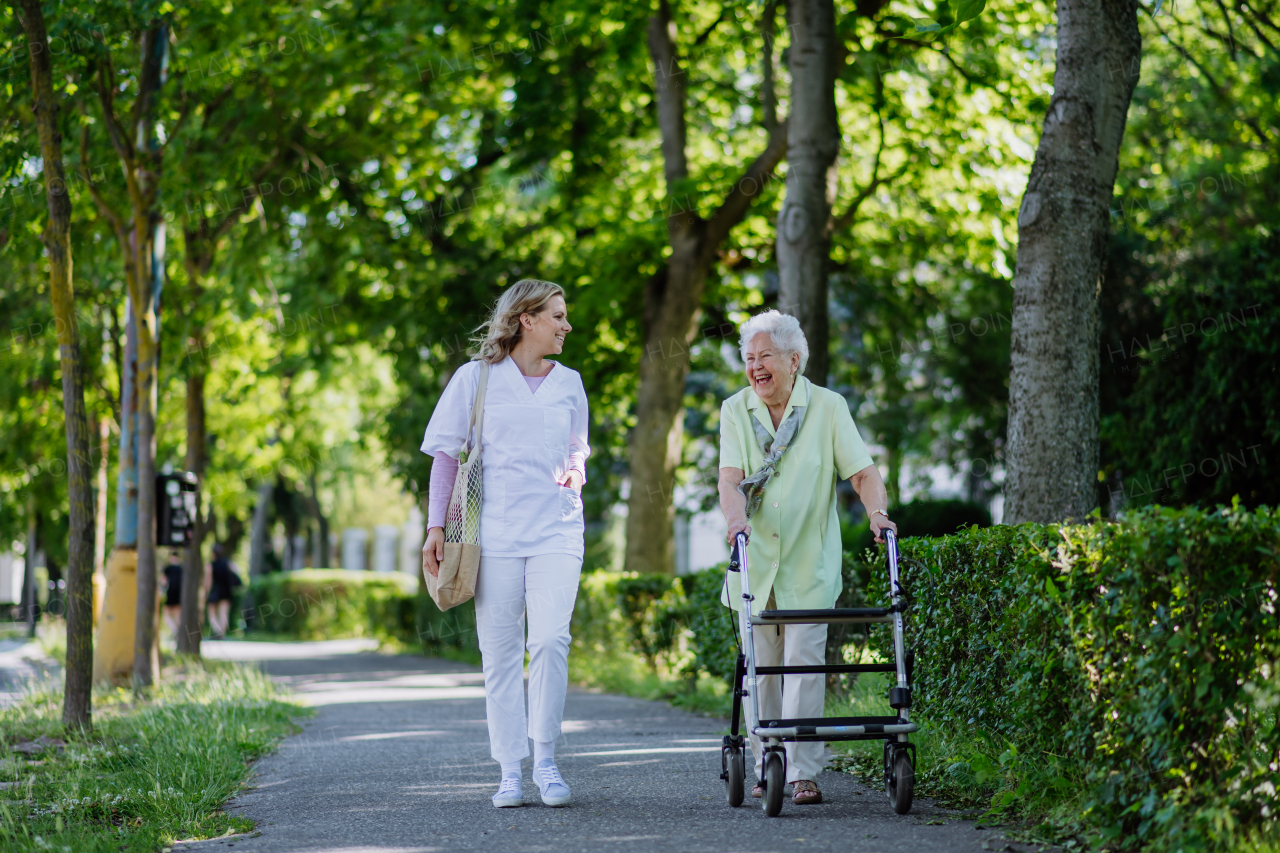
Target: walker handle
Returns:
[[739, 546], [891, 553]]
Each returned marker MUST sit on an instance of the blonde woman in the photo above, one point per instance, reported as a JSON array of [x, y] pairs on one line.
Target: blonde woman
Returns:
[[531, 530]]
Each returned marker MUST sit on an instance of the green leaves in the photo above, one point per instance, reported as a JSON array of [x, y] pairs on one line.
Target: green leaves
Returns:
[[967, 10], [964, 10]]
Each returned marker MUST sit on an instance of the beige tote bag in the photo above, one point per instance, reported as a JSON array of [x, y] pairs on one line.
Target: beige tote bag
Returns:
[[456, 582]]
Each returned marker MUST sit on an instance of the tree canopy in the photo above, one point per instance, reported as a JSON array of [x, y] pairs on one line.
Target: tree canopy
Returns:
[[348, 187]]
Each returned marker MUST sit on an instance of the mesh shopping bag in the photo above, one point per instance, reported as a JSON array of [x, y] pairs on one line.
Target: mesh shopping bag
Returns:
[[456, 581]]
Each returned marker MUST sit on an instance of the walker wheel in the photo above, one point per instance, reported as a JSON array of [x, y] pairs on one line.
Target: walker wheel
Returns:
[[733, 772], [775, 780], [901, 781]]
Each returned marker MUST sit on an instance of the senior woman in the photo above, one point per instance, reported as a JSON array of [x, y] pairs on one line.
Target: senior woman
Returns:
[[783, 443], [531, 529]]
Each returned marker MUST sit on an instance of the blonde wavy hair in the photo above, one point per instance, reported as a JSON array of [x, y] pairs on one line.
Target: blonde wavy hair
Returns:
[[501, 332]]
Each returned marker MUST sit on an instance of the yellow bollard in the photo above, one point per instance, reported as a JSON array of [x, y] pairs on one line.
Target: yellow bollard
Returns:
[[99, 590], [113, 651]]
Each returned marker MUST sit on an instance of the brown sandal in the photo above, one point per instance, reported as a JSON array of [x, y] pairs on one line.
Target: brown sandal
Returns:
[[805, 793]]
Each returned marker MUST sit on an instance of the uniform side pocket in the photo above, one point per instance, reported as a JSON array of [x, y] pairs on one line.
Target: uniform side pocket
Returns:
[[570, 504]]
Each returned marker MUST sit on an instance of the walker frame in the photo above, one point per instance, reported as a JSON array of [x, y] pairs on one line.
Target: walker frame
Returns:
[[899, 752]]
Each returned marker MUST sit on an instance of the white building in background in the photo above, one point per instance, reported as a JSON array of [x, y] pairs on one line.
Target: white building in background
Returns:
[[385, 540], [412, 536], [700, 541], [11, 568], [354, 540]]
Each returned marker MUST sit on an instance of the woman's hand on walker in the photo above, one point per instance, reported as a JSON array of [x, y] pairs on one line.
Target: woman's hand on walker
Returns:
[[433, 551], [572, 480], [879, 523], [736, 527]]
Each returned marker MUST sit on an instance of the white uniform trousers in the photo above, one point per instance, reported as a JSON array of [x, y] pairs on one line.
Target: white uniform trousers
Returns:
[[789, 697], [545, 587]]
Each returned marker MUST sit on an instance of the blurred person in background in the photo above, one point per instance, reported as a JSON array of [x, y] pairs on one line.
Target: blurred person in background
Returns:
[[223, 580], [172, 588]]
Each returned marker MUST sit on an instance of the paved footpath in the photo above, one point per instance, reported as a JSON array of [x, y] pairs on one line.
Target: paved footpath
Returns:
[[23, 664], [396, 760]]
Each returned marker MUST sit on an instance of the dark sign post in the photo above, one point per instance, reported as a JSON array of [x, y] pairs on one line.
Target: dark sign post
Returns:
[[175, 509]]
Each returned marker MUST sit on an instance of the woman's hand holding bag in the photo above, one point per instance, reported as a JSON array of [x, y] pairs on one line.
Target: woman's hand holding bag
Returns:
[[433, 551]]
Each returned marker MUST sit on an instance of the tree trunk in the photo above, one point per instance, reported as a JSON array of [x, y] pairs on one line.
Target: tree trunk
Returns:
[[805, 223], [672, 300], [199, 247], [258, 535], [193, 560], [257, 550], [768, 86], [235, 532], [76, 709], [322, 524], [148, 278], [1063, 228]]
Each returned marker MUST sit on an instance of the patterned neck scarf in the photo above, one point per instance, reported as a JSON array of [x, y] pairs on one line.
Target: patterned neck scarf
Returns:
[[772, 447]]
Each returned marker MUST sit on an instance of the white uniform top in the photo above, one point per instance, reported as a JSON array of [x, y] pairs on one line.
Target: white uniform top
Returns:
[[526, 444]]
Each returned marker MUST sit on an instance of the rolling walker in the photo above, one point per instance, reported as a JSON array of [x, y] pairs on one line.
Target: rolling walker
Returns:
[[899, 752]]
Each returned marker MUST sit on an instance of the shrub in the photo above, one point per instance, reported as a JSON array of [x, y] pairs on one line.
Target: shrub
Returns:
[[650, 613], [326, 604], [320, 604], [644, 636], [1145, 653], [624, 611], [713, 633], [598, 625], [1173, 617], [450, 632]]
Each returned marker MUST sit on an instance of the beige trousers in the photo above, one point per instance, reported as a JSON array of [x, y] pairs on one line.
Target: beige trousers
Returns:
[[791, 696]]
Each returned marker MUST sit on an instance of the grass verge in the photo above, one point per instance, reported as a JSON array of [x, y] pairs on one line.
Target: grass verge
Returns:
[[617, 671], [153, 771]]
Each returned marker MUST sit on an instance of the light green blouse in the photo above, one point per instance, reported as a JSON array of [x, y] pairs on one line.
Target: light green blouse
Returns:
[[795, 537]]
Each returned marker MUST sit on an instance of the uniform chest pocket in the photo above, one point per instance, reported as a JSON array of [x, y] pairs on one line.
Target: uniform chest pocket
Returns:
[[556, 430]]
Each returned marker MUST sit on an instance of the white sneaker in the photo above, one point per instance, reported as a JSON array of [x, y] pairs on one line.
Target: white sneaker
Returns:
[[510, 795], [551, 784]]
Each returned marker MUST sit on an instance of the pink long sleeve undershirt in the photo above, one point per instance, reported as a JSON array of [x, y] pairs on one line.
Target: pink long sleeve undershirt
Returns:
[[444, 471]]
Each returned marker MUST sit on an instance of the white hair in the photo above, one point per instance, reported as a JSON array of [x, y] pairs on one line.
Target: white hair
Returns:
[[783, 329]]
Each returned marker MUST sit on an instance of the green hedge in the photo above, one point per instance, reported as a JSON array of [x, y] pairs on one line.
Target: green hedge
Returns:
[[319, 604], [1143, 652], [325, 604]]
